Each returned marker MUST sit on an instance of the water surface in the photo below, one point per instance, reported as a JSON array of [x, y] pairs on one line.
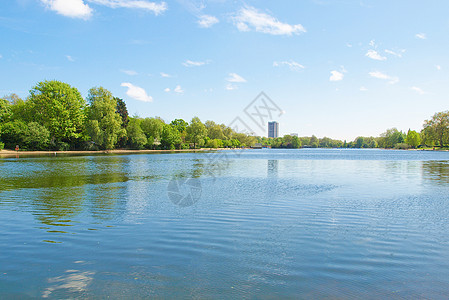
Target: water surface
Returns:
[[254, 224]]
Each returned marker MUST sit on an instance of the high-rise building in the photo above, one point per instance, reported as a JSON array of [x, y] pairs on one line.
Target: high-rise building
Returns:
[[273, 129]]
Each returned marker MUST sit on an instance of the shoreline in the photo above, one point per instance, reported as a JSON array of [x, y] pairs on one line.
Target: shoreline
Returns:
[[13, 153], [9, 153]]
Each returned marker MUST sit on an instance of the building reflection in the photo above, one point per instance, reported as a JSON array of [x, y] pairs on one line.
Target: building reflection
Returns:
[[272, 168]]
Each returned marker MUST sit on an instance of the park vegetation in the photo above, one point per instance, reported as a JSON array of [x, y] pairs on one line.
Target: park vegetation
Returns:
[[56, 117]]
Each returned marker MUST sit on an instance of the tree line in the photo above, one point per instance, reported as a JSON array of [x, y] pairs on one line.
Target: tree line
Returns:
[[56, 117], [435, 133]]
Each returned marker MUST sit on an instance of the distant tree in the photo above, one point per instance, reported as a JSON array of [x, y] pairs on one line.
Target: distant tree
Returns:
[[170, 138], [180, 125], [436, 130], [60, 108], [314, 142], [104, 123], [196, 132], [390, 138], [5, 110], [122, 111], [152, 127], [136, 136], [413, 138]]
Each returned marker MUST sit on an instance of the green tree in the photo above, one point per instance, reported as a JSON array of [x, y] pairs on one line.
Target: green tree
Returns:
[[14, 133], [196, 132], [390, 138], [436, 130], [179, 124], [5, 110], [170, 138], [36, 137], [152, 127], [413, 138], [122, 111], [136, 136], [60, 108], [104, 123]]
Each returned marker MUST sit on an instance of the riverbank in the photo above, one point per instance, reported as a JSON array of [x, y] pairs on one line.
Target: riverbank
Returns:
[[12, 153]]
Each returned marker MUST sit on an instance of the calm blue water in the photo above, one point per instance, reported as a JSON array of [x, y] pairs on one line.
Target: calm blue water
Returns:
[[253, 224]]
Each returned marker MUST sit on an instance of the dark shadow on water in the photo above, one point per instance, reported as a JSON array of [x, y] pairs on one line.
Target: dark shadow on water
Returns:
[[436, 172]]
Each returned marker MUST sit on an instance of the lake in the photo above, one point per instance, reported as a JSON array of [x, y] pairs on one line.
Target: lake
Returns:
[[309, 223]]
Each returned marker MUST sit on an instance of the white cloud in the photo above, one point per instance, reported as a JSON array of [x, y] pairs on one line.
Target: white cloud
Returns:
[[336, 76], [418, 90], [348, 45], [165, 75], [233, 77], [363, 89], [136, 92], [206, 21], [372, 43], [249, 18], [293, 65], [395, 53], [156, 8], [421, 36], [69, 8], [383, 76], [178, 89], [167, 90], [373, 54], [190, 63], [437, 66], [129, 72], [231, 87], [69, 58]]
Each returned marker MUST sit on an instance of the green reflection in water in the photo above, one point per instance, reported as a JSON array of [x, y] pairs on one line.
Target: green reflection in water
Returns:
[[436, 172]]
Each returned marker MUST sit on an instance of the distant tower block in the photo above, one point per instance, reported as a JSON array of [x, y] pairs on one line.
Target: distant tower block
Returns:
[[273, 129]]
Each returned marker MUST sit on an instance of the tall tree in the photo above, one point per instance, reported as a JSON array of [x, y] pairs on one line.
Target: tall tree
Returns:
[[152, 127], [60, 108], [413, 138], [122, 111], [437, 128], [170, 138], [196, 132], [104, 123], [136, 137]]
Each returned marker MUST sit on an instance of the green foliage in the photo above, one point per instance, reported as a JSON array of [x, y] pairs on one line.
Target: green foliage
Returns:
[[152, 127], [136, 137], [170, 138], [436, 130], [413, 139], [122, 111], [57, 106], [104, 124], [5, 110], [180, 125], [390, 138], [31, 136], [2, 146], [196, 132]]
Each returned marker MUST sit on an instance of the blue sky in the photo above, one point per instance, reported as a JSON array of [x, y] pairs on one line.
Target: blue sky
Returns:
[[336, 68]]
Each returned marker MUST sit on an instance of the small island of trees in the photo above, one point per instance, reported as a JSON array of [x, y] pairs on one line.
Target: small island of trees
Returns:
[[56, 117]]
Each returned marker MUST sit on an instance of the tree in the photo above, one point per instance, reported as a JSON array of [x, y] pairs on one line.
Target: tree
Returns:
[[122, 111], [437, 128], [152, 127], [5, 110], [13, 133], [60, 108], [413, 138], [36, 137], [390, 138], [196, 132], [179, 124], [136, 137], [170, 138], [104, 123]]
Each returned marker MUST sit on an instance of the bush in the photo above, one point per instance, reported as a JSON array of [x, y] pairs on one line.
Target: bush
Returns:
[[402, 146], [2, 146]]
